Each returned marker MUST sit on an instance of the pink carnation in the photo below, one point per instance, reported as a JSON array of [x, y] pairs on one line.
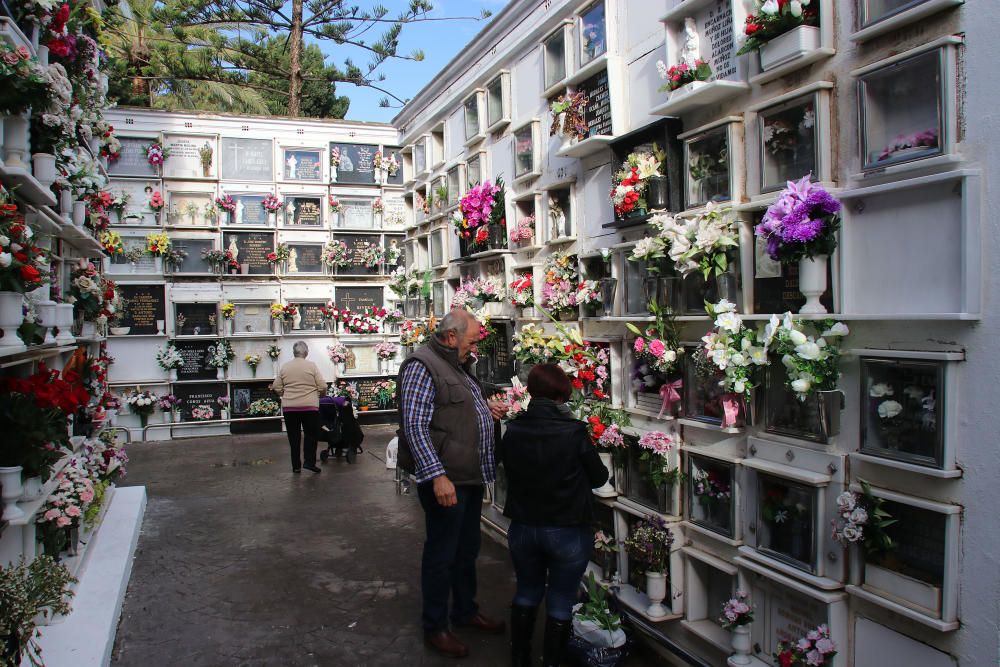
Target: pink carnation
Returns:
[[640, 345], [657, 348], [86, 496], [51, 514], [73, 511], [63, 521]]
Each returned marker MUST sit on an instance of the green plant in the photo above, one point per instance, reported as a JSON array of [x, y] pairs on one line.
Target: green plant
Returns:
[[441, 195], [595, 608], [25, 591]]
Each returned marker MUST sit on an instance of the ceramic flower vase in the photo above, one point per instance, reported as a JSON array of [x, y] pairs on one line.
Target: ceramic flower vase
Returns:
[[79, 213], [741, 645], [656, 591], [812, 283], [220, 373], [11, 317], [10, 478], [47, 318], [608, 490], [176, 416], [31, 487], [44, 168], [608, 288], [15, 138], [167, 416], [173, 375]]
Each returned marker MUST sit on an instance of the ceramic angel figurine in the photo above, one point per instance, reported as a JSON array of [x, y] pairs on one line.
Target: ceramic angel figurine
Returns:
[[691, 49]]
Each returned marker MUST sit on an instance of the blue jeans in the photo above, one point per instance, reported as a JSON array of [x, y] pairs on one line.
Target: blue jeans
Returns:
[[557, 553], [448, 568]]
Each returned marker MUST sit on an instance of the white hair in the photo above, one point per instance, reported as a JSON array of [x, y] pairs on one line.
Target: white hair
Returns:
[[300, 349]]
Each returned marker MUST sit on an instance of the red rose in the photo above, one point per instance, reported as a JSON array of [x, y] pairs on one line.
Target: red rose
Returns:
[[577, 384], [751, 28], [598, 430], [599, 395]]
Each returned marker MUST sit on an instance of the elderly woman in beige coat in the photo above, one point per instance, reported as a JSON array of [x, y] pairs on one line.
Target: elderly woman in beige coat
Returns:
[[300, 385]]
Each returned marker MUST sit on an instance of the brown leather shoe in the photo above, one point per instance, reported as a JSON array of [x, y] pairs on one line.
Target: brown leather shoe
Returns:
[[484, 623], [446, 644]]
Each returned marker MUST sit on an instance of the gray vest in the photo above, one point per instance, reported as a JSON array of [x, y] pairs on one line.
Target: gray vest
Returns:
[[454, 427]]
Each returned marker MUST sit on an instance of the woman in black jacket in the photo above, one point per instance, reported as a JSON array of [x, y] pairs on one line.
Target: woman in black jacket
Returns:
[[551, 467]]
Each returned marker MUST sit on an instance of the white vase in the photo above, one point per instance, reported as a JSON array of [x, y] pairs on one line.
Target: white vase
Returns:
[[173, 375], [10, 478], [788, 46], [333, 174], [166, 416], [608, 490], [686, 90], [79, 213], [64, 321], [741, 645], [66, 202], [47, 318], [15, 136], [220, 373], [175, 416], [224, 413], [42, 53], [11, 316], [341, 369], [656, 591], [31, 488], [44, 168], [812, 283], [112, 416], [275, 365], [157, 265], [160, 324]]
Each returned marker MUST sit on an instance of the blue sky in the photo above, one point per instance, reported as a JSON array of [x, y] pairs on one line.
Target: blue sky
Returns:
[[440, 42]]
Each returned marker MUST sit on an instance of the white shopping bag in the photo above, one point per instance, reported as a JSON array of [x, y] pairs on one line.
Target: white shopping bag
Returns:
[[390, 453]]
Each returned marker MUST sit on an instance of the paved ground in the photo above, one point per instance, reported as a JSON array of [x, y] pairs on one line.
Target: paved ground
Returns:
[[240, 562]]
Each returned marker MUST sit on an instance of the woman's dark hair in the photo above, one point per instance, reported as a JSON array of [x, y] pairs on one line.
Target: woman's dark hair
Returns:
[[549, 381]]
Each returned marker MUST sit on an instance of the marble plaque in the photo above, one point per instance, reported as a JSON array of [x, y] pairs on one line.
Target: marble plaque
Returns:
[[185, 156], [247, 159]]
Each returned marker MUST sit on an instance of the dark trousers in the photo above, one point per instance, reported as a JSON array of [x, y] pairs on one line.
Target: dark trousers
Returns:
[[448, 568], [297, 424], [556, 554]]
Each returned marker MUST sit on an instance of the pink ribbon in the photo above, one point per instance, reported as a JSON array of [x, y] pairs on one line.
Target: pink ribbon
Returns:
[[670, 393], [731, 409]]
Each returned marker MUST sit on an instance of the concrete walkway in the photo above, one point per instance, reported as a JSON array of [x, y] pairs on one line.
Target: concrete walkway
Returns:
[[240, 562]]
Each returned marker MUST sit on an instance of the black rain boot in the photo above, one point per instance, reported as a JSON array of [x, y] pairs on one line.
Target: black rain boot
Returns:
[[522, 626], [556, 638]]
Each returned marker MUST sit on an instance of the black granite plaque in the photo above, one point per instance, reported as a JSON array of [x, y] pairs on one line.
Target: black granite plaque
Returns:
[[356, 245], [358, 298], [304, 211], [241, 396], [201, 394], [249, 210], [356, 163], [133, 160], [598, 111], [303, 165], [251, 248], [193, 262], [247, 159], [196, 355], [199, 319], [305, 258], [144, 305], [312, 318]]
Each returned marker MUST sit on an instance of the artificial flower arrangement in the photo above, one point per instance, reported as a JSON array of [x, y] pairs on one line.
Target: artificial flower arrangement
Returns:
[[329, 313], [336, 254], [271, 203], [390, 164], [772, 18], [220, 355], [811, 361], [264, 407], [533, 345], [393, 316], [481, 206], [24, 80], [169, 403], [205, 153], [273, 351], [656, 447], [222, 402], [605, 424], [678, 76], [816, 649], [648, 545], [414, 332], [282, 312], [253, 360], [337, 352], [862, 519], [801, 223], [228, 310], [386, 350], [168, 358], [733, 351], [385, 392], [226, 203], [142, 403], [111, 241], [348, 390], [524, 230], [588, 294], [521, 291], [89, 291], [65, 507], [281, 253], [358, 323], [202, 412], [630, 183], [157, 154], [393, 254], [658, 345], [703, 242], [22, 263], [486, 290], [559, 282], [708, 488], [335, 157], [924, 139], [156, 202], [372, 255], [737, 611], [378, 206], [605, 544], [157, 244], [514, 398], [568, 116]]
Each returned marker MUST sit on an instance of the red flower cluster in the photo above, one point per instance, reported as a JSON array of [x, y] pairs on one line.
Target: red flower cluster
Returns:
[[18, 253], [49, 390], [631, 184], [482, 235], [596, 427]]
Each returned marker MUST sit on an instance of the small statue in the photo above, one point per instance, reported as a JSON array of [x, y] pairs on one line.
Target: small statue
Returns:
[[691, 49], [292, 166], [293, 263], [297, 319], [239, 211], [233, 250]]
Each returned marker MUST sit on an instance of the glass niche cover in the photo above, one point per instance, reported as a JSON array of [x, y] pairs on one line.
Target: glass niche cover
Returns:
[[708, 168], [555, 58], [593, 36], [472, 117], [524, 151], [901, 410], [873, 11], [891, 131], [816, 418], [786, 525], [789, 143], [710, 494]]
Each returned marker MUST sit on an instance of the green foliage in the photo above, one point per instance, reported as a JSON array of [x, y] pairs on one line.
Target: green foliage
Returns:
[[43, 586], [595, 607], [876, 540], [660, 474]]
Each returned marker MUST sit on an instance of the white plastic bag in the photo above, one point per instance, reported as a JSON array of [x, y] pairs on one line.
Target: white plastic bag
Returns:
[[597, 636], [390, 453]]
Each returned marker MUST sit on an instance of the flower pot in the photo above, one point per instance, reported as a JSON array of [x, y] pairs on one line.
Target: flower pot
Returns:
[[341, 369], [47, 318], [11, 316], [333, 174], [79, 213], [528, 312], [812, 283], [496, 309], [167, 417], [224, 413], [66, 203], [656, 191], [64, 323], [656, 591], [608, 489], [88, 330], [220, 373], [498, 237], [120, 331], [727, 287], [608, 288], [44, 168], [158, 265], [15, 137], [683, 92], [787, 47], [31, 487], [10, 480], [173, 374], [741, 645], [160, 325]]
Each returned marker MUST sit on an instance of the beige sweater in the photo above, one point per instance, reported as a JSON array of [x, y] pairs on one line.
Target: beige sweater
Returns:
[[299, 384]]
